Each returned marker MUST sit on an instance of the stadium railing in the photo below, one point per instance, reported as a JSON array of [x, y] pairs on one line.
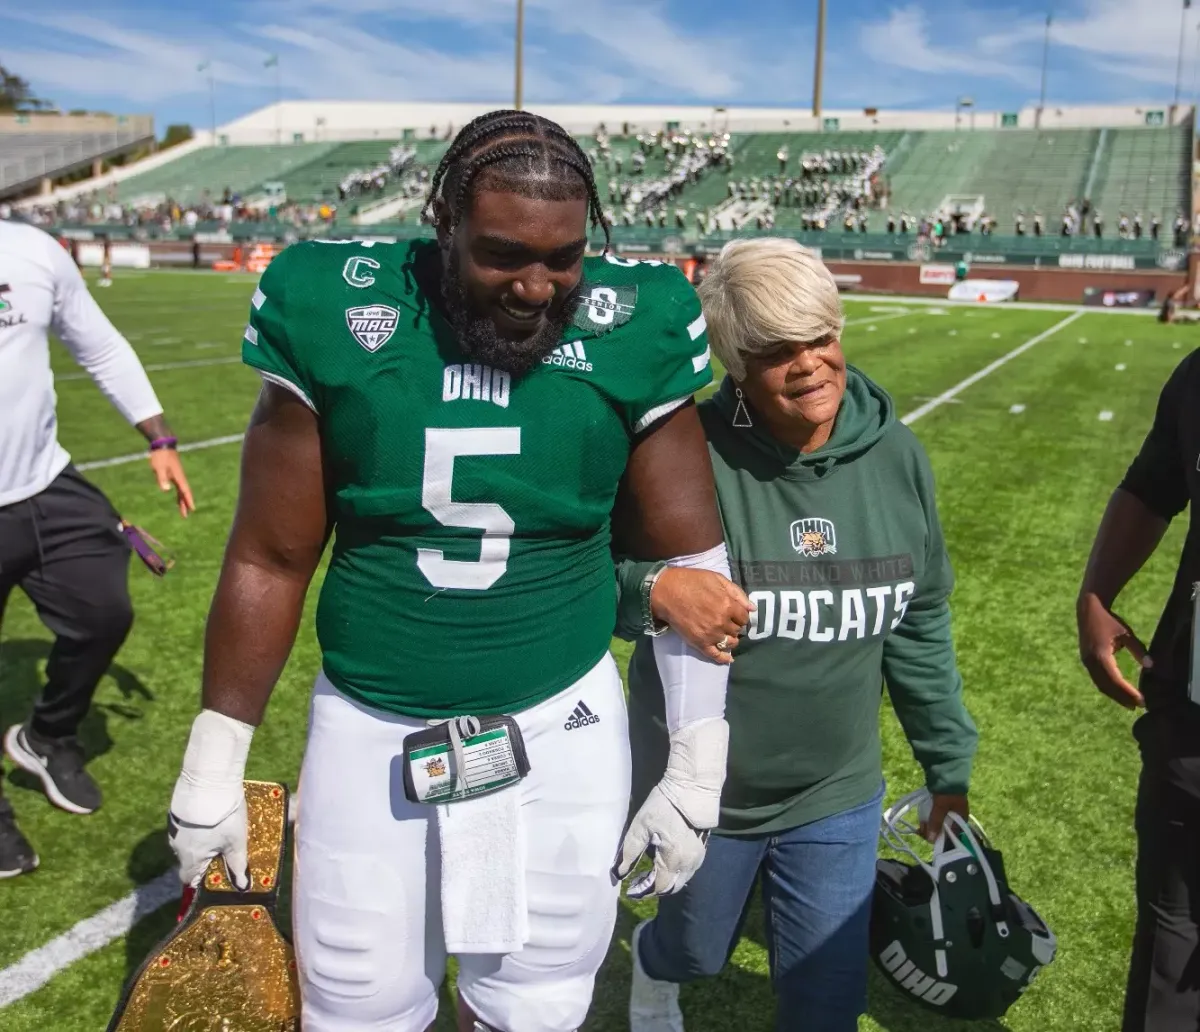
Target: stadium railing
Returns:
[[978, 251]]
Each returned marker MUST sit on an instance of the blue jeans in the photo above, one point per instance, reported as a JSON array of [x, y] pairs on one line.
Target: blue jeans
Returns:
[[817, 882]]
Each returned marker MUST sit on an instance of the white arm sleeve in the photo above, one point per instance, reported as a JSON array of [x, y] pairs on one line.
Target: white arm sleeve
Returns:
[[97, 345], [693, 685]]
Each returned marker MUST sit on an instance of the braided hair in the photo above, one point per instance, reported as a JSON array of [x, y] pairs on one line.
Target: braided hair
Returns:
[[517, 151]]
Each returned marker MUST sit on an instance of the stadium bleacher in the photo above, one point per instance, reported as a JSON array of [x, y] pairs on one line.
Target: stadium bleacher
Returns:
[[211, 170], [1144, 170], [1010, 170], [925, 171], [28, 157]]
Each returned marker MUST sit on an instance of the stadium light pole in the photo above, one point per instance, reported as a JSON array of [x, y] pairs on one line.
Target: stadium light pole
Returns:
[[819, 62], [520, 72], [1179, 59], [1195, 73], [206, 66], [273, 62], [1045, 64]]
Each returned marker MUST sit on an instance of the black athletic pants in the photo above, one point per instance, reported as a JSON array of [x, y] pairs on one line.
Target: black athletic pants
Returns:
[[1163, 991], [64, 549]]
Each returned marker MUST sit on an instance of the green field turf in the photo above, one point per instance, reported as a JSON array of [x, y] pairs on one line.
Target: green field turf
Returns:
[[1020, 497]]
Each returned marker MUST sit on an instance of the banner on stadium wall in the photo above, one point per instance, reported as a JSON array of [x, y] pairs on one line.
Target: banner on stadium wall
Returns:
[[939, 275], [984, 290], [124, 256], [1131, 298], [1104, 262]]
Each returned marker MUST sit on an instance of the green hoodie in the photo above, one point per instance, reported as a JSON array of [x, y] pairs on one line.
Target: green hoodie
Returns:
[[842, 552]]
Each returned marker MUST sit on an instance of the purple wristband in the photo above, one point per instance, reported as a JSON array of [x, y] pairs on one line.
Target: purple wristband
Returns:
[[159, 443]]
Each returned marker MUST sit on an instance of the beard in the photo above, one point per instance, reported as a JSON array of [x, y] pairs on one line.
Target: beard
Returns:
[[481, 341]]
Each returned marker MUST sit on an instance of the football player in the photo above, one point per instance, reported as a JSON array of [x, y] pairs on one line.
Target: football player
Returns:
[[475, 421]]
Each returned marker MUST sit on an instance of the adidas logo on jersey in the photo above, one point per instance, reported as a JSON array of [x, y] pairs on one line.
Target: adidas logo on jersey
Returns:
[[569, 356], [581, 716]]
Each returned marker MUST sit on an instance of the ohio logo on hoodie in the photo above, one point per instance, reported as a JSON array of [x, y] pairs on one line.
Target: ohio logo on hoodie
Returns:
[[814, 537]]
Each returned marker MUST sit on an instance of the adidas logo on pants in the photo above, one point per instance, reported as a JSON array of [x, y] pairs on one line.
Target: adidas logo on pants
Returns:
[[581, 717]]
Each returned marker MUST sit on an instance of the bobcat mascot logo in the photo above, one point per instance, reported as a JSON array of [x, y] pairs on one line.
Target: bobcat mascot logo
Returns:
[[814, 537]]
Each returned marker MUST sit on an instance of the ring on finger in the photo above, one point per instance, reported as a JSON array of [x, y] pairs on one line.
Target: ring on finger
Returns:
[[723, 644]]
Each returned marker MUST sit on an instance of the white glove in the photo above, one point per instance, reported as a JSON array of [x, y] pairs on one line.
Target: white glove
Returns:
[[208, 808], [674, 821]]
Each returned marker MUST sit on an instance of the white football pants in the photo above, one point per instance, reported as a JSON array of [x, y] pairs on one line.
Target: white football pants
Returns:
[[367, 895]]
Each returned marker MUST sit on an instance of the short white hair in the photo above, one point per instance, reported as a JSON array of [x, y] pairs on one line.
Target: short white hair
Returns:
[[760, 293]]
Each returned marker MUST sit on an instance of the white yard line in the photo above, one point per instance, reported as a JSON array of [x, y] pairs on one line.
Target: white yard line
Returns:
[[878, 318], [1000, 306], [124, 460], [987, 370], [159, 367], [39, 966]]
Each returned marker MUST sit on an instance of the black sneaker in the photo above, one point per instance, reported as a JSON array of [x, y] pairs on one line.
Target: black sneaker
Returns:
[[58, 762], [16, 854]]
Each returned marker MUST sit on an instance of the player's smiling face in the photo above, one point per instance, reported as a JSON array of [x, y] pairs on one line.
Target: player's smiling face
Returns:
[[512, 270], [521, 258]]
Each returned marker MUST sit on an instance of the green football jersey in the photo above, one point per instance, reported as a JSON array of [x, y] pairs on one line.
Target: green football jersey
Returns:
[[471, 569]]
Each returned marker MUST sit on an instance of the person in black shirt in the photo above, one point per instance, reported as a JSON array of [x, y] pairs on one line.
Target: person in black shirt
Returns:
[[1162, 992]]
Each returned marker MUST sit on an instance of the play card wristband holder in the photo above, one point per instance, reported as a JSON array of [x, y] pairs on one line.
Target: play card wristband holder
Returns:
[[463, 757]]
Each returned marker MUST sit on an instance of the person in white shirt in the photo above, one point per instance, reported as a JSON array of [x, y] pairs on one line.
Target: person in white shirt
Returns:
[[60, 539]]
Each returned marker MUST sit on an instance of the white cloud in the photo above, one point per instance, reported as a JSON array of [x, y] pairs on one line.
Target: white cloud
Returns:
[[373, 49], [904, 40], [1111, 47]]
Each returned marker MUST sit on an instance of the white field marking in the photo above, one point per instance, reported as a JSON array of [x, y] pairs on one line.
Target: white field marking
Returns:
[[124, 460], [995, 336], [160, 367], [887, 309], [1017, 409], [1129, 343], [1105, 416], [1083, 340], [1175, 345], [39, 966], [208, 344], [1120, 367], [1018, 306], [929, 397], [954, 333], [93, 933], [987, 370], [879, 318], [912, 329]]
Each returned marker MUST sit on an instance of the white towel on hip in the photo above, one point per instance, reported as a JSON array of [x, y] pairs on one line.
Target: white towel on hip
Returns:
[[484, 905]]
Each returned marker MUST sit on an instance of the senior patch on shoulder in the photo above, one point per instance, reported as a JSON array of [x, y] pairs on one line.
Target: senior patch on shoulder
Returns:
[[601, 309]]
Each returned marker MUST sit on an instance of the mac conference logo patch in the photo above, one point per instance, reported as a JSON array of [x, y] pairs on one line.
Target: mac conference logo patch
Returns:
[[372, 325]]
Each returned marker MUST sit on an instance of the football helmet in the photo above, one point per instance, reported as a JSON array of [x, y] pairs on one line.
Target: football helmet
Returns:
[[949, 933]]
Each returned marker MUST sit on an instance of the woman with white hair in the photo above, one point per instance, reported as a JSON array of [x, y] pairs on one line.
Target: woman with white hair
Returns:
[[829, 516]]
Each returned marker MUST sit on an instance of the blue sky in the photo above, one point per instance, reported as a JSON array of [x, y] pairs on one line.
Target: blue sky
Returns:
[[140, 56]]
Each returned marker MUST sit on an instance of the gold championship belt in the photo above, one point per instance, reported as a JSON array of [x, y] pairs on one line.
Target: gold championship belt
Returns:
[[225, 967]]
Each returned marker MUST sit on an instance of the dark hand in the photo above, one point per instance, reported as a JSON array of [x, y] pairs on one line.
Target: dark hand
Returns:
[[942, 805], [1102, 634], [703, 607]]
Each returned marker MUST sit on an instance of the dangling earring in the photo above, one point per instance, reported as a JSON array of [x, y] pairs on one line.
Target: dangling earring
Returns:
[[741, 415]]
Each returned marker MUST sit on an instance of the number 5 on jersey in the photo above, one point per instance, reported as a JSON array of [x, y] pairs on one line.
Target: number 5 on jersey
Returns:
[[442, 447]]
